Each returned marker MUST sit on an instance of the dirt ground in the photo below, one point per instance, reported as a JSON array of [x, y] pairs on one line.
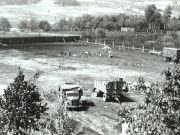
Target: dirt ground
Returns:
[[100, 119]]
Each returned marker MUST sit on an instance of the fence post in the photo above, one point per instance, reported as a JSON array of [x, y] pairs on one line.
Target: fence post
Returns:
[[113, 44], [153, 49], [104, 43], [87, 40], [133, 47], [143, 49], [123, 48]]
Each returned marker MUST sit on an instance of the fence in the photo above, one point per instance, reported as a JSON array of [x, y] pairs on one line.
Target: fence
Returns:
[[123, 47]]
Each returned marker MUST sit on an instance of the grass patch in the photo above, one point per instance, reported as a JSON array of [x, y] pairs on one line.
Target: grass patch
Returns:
[[51, 96]]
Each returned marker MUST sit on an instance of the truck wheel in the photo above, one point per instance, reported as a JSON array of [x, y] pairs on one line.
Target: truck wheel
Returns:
[[105, 97], [66, 106], [167, 59], [97, 94]]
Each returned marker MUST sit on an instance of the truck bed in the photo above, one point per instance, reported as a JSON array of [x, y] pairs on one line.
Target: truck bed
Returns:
[[171, 52]]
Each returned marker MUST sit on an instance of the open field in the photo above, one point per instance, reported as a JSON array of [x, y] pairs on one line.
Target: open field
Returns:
[[99, 119]]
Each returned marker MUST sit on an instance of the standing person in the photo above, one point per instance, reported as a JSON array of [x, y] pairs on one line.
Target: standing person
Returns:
[[125, 127]]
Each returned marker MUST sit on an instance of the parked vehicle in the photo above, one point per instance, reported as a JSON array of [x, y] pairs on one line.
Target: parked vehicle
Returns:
[[71, 94], [171, 54], [110, 89]]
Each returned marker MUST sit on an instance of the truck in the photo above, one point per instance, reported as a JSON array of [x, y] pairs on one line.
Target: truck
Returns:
[[171, 54], [110, 89], [71, 95]]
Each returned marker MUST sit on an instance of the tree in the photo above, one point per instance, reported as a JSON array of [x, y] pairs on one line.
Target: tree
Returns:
[[149, 12], [100, 33], [140, 24], [166, 16], [161, 116], [23, 25], [62, 25], [68, 2], [157, 21], [153, 17], [22, 106], [5, 24], [33, 25], [44, 25], [174, 24]]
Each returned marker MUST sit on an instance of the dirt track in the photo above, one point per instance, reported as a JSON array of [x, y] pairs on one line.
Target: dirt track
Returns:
[[101, 118]]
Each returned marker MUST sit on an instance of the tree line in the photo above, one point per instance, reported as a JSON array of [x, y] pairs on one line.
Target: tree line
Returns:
[[153, 20]]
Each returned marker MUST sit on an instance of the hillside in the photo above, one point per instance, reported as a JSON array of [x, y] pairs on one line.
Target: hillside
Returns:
[[17, 2], [54, 10]]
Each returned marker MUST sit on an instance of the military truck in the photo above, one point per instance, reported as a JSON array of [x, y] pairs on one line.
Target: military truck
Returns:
[[110, 89], [71, 95], [171, 54]]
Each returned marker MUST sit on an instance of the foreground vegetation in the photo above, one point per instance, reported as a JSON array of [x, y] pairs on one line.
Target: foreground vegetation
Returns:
[[24, 112], [161, 113]]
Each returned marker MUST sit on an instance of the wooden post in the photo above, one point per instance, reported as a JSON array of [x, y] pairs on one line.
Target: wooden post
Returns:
[[143, 49], [133, 47], [87, 40], [104, 43], [123, 46], [113, 44]]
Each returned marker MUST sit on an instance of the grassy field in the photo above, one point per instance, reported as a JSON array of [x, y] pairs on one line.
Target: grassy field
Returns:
[[139, 39], [81, 68]]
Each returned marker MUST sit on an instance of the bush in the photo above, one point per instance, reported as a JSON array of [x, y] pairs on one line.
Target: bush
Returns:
[[23, 25]]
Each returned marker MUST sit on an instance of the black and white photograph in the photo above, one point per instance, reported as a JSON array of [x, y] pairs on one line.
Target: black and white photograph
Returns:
[[89, 67]]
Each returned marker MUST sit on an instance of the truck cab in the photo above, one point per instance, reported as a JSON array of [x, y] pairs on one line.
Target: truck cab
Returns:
[[71, 94]]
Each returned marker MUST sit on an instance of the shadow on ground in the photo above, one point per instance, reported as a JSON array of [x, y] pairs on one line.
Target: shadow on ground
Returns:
[[124, 98], [86, 104], [121, 99]]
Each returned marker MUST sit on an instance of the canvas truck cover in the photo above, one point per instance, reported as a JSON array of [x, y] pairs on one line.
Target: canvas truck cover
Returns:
[[108, 86], [69, 87], [171, 52]]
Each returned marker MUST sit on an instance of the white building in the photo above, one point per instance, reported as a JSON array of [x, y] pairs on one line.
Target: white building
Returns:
[[127, 29]]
